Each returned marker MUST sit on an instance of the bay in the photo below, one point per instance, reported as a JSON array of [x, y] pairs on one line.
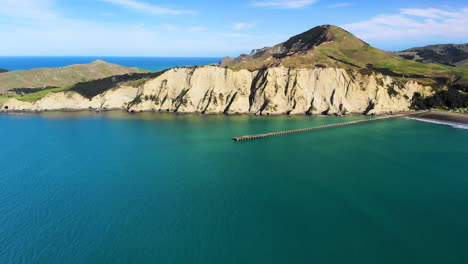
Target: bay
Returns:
[[165, 188]]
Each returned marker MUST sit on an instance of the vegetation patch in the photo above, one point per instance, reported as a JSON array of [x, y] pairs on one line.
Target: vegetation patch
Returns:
[[137, 83], [451, 98], [379, 81], [32, 97], [30, 90], [351, 73], [400, 84], [391, 90], [4, 98], [366, 71], [93, 88], [135, 101]]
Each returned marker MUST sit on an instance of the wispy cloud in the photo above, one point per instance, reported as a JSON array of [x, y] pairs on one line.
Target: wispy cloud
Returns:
[[337, 5], [31, 27], [428, 13], [244, 25], [150, 8], [28, 9], [411, 24], [197, 29], [285, 4], [169, 27]]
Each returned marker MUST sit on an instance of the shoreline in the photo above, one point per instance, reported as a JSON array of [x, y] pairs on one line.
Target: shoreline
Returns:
[[440, 118], [453, 118], [444, 117], [97, 111]]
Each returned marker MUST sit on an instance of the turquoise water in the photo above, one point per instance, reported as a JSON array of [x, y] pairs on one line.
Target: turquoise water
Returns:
[[157, 188], [147, 63]]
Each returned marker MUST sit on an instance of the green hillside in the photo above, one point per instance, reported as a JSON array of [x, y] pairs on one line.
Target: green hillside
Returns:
[[331, 46], [87, 89], [42, 78], [448, 54]]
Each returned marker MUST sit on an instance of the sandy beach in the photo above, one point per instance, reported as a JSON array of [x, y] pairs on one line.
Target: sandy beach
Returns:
[[447, 117]]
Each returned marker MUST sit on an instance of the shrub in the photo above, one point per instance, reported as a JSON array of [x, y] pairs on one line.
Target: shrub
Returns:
[[391, 90], [450, 98], [93, 88]]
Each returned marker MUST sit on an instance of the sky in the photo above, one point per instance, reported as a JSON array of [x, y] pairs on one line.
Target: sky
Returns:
[[209, 28]]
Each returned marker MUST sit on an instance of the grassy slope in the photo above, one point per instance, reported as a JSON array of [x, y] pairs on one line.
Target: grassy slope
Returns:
[[351, 49], [59, 77], [89, 89], [346, 47], [454, 54], [32, 97]]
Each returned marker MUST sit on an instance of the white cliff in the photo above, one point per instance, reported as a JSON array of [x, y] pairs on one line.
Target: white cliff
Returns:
[[275, 90]]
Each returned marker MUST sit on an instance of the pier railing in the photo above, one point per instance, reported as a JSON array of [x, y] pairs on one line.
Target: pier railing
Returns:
[[260, 136]]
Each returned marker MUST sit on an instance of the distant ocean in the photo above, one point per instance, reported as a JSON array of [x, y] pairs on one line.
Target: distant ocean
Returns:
[[147, 63]]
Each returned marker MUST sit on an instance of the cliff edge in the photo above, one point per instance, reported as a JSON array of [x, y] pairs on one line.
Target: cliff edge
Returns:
[[271, 91]]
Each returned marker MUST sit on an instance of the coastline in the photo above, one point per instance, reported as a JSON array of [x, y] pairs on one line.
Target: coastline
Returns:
[[444, 117], [132, 112], [436, 117]]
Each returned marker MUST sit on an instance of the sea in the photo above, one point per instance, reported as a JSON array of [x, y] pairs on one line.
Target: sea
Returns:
[[114, 187], [146, 63]]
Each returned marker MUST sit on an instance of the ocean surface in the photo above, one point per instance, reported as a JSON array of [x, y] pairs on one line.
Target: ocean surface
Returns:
[[146, 63], [165, 188]]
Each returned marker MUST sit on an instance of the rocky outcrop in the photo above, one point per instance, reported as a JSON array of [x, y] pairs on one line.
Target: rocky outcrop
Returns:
[[276, 90]]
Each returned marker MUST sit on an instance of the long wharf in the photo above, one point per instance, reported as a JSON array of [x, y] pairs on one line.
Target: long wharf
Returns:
[[260, 136]]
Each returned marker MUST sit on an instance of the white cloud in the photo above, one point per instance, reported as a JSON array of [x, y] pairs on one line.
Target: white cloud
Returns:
[[337, 5], [197, 29], [35, 27], [244, 25], [412, 24], [285, 4], [428, 13], [150, 8], [28, 9], [169, 27], [27, 33]]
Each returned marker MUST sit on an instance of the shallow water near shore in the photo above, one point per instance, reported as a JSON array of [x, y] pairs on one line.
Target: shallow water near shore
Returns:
[[164, 188]]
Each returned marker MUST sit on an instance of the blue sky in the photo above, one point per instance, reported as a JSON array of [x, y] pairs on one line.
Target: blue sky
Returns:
[[202, 28]]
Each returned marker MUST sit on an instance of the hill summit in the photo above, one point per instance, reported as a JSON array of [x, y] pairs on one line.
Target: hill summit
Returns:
[[331, 46], [41, 78], [301, 50]]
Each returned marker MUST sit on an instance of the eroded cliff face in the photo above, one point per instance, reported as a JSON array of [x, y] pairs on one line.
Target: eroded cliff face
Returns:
[[112, 99], [277, 90]]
